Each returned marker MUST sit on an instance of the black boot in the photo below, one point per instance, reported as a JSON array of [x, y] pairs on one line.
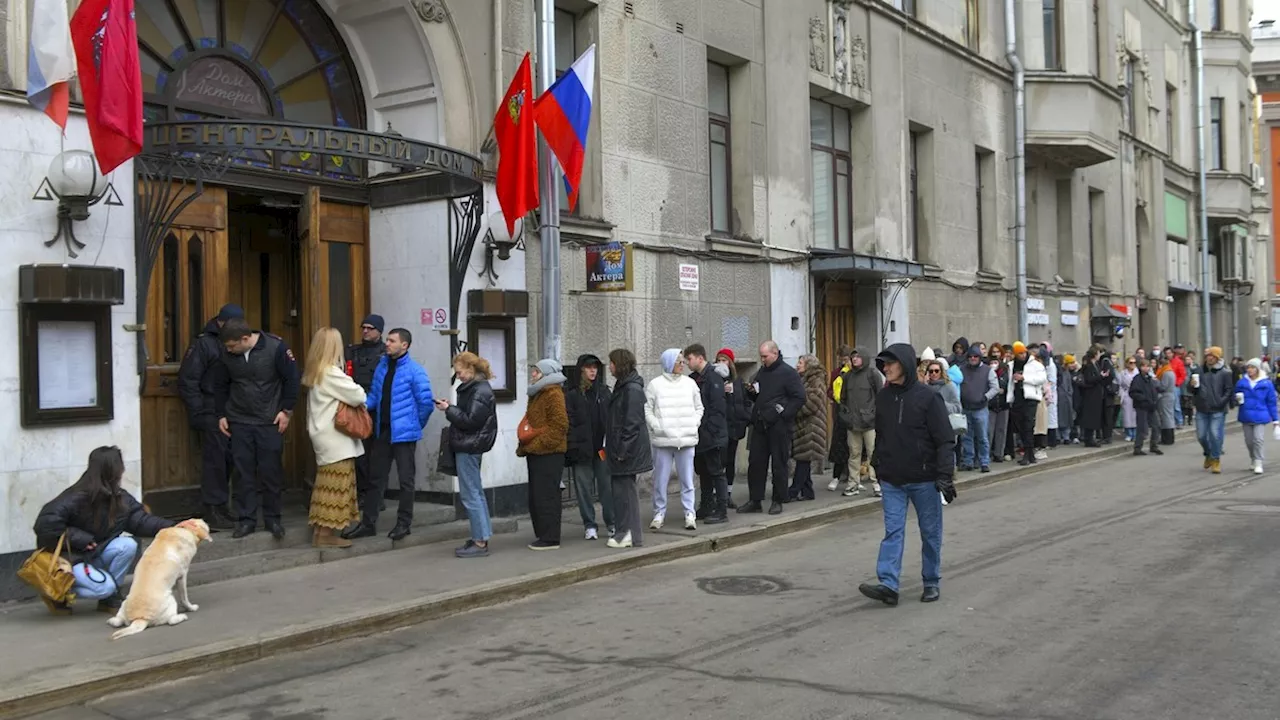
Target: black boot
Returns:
[[360, 530], [705, 508], [719, 515], [217, 518]]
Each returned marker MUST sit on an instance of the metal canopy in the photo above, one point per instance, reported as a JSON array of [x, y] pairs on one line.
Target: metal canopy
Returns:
[[869, 266]]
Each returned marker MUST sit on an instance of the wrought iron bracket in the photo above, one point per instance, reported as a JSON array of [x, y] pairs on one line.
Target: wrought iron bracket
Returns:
[[72, 209], [168, 184], [466, 215]]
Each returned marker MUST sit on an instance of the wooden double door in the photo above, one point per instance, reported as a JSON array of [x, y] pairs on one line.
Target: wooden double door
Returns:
[[837, 319], [293, 269]]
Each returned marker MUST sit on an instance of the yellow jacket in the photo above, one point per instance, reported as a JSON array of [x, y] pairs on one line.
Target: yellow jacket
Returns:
[[838, 383]]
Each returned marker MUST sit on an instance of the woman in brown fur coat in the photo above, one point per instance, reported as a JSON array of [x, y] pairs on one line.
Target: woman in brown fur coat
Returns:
[[544, 436], [809, 441]]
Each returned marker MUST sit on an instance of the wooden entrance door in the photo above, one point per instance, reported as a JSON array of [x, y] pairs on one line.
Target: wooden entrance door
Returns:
[[188, 285], [837, 320], [292, 274]]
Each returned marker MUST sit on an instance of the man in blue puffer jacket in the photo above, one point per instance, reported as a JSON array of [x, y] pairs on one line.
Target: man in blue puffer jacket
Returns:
[[400, 403]]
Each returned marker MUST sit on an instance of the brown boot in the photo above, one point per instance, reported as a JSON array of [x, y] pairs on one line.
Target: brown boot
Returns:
[[1216, 467], [326, 538]]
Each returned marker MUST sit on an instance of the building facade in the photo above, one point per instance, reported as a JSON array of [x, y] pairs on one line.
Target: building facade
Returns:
[[818, 172]]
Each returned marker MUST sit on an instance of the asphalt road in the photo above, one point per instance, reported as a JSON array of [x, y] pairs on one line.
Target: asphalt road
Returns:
[[1127, 588]]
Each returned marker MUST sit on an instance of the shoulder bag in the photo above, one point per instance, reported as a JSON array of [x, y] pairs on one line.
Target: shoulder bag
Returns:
[[353, 421], [51, 575], [446, 461]]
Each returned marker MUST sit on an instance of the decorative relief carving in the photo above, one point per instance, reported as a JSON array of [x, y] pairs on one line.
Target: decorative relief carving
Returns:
[[839, 36], [818, 44], [430, 10], [858, 51]]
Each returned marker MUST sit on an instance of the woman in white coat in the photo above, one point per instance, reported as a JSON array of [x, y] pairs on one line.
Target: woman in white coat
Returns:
[[673, 412], [333, 499]]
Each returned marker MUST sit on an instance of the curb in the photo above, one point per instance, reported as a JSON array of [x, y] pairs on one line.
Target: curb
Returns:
[[218, 656]]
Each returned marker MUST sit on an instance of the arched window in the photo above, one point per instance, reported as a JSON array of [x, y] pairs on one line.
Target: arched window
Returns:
[[250, 59]]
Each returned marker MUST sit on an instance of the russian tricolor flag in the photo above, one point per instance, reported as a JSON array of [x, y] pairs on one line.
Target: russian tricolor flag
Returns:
[[563, 114], [51, 62]]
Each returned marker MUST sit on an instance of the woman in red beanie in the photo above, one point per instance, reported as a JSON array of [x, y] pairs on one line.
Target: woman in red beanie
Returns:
[[739, 411]]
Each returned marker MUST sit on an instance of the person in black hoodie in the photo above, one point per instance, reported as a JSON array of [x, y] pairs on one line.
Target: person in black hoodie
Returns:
[[914, 458], [713, 437], [738, 411], [587, 405], [777, 394], [626, 446], [195, 386], [1144, 392], [960, 351]]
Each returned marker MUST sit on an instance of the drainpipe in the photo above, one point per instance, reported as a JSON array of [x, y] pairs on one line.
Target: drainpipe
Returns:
[[1197, 39], [1019, 161], [549, 318]]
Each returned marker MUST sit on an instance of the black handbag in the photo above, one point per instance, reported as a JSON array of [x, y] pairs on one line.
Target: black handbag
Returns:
[[446, 462]]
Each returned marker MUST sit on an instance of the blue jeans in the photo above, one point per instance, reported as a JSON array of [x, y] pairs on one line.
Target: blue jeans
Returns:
[[1210, 428], [591, 477], [929, 514], [471, 493], [100, 577], [1177, 406], [977, 431]]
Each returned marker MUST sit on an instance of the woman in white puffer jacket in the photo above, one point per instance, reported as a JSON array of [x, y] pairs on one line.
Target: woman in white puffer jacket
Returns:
[[673, 412]]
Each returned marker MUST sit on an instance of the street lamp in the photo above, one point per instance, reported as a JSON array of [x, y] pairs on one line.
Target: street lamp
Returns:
[[499, 242], [75, 182]]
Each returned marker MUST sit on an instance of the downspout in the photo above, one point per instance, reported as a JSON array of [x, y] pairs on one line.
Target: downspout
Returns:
[[1019, 161], [1197, 41], [498, 89]]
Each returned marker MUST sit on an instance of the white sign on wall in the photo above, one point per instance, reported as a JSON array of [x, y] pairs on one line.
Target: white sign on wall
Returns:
[[689, 277], [1071, 320], [1035, 304], [1069, 306], [1037, 319], [437, 318]]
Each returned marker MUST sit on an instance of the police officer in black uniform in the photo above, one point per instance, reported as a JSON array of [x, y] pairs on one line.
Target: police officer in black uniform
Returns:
[[361, 361], [195, 386], [255, 388]]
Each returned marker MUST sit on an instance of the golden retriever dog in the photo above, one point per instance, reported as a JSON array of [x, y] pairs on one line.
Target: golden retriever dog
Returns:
[[164, 564]]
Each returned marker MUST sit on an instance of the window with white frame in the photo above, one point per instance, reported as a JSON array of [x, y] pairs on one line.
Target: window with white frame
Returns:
[[719, 150]]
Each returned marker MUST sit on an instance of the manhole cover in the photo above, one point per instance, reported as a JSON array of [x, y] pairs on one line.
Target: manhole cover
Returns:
[[1254, 509], [742, 585]]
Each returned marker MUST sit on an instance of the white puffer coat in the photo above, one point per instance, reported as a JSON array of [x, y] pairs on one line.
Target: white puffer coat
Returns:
[[673, 411]]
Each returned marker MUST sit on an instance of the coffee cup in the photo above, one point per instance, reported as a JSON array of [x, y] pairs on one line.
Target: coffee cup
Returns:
[[1239, 398], [1195, 380]]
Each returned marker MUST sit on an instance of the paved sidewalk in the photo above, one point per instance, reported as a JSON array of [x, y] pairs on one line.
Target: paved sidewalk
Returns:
[[52, 662]]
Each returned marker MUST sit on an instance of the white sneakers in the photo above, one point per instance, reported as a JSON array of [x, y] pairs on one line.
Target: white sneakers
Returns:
[[592, 534], [831, 486], [625, 542], [875, 488], [658, 520], [690, 521], [1041, 455], [1257, 467], [852, 489]]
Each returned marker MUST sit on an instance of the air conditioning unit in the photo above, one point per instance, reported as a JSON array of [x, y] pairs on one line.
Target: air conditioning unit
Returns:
[[1233, 255], [1259, 181]]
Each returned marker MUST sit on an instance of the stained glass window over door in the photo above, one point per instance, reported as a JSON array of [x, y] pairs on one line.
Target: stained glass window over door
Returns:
[[250, 60]]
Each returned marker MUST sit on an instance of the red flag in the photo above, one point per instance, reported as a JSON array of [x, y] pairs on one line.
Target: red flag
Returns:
[[106, 40], [513, 128]]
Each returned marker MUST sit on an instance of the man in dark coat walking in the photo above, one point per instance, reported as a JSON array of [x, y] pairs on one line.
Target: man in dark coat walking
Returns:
[[195, 386], [915, 459], [713, 438], [777, 394]]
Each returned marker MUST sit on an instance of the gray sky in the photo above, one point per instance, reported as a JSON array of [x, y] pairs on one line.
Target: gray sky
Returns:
[[1265, 10]]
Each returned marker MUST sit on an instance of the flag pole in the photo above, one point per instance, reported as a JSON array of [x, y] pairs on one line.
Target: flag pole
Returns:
[[549, 316]]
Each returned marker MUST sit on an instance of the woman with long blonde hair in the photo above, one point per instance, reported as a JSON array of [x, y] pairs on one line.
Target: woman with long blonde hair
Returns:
[[333, 499]]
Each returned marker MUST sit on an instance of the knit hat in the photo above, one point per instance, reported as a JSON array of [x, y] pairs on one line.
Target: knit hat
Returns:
[[1019, 347], [1214, 350], [669, 358], [376, 321], [1254, 362], [927, 355], [727, 353], [231, 311], [545, 366], [1068, 358]]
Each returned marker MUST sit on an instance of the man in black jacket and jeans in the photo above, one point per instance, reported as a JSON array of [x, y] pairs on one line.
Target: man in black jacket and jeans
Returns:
[[195, 385], [587, 404], [713, 438], [255, 389], [915, 460], [777, 394]]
